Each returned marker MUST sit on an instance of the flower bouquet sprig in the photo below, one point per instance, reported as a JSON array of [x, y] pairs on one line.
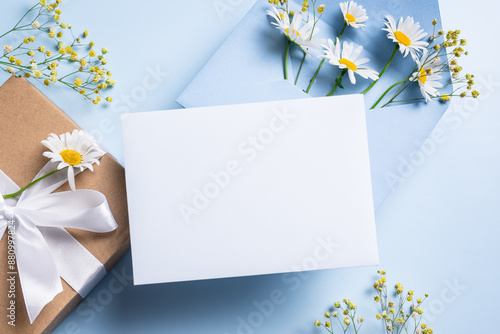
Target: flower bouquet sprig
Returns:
[[299, 28], [347, 311], [429, 57], [402, 316], [435, 60], [87, 74]]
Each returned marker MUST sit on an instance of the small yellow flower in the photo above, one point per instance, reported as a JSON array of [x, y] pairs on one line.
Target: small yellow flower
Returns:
[[18, 62], [12, 59], [78, 82], [104, 61], [327, 324], [83, 62], [109, 99], [347, 321], [43, 3], [26, 41], [63, 25], [52, 34], [27, 75], [327, 314], [31, 53], [445, 97], [92, 53], [59, 34], [104, 51], [95, 102], [46, 82], [317, 323], [82, 91], [31, 38], [53, 78], [434, 22], [91, 44], [11, 70], [69, 49], [37, 74], [321, 9], [85, 33], [62, 51], [475, 94]]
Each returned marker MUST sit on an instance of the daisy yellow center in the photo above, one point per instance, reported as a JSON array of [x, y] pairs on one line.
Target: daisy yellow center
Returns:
[[350, 18], [293, 32], [71, 157], [423, 76], [402, 38], [349, 64]]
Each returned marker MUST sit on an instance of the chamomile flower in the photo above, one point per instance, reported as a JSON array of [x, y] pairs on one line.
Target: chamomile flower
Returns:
[[354, 14], [428, 78], [407, 34], [302, 35], [73, 150], [347, 58]]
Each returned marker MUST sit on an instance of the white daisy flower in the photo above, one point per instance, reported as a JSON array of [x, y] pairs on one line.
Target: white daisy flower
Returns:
[[407, 34], [7, 49], [73, 150], [347, 58], [302, 35], [428, 79], [354, 14]]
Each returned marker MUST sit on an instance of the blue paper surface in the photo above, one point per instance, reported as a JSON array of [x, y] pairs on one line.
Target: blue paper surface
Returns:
[[395, 133]]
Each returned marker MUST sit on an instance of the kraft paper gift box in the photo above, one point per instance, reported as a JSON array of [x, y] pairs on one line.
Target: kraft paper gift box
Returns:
[[26, 118]]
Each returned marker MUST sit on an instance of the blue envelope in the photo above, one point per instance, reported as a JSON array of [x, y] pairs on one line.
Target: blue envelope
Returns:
[[248, 67]]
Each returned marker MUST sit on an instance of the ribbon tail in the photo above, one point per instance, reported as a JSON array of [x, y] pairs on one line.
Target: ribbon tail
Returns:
[[38, 273], [7, 186], [77, 266]]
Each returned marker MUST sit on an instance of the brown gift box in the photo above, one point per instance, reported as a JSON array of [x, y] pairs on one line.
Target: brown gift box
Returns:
[[26, 118]]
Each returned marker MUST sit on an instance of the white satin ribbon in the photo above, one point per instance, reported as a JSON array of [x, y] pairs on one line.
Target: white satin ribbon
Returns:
[[45, 251]]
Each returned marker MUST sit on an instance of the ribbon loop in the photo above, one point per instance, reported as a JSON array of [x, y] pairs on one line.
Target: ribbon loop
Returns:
[[44, 250]]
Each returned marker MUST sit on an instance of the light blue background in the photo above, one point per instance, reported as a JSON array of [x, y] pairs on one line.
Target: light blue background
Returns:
[[438, 229]]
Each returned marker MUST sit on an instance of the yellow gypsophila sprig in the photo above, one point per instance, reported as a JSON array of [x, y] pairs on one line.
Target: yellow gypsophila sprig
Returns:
[[40, 30]]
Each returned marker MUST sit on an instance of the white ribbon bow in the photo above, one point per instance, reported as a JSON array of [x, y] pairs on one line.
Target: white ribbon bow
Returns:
[[45, 251]]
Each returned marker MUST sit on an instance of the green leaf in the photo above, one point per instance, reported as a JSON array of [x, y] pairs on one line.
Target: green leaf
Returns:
[[338, 81]]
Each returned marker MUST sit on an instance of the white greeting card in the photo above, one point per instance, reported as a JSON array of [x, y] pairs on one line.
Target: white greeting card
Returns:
[[249, 189]]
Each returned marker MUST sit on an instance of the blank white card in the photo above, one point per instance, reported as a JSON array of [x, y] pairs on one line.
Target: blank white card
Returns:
[[249, 189]]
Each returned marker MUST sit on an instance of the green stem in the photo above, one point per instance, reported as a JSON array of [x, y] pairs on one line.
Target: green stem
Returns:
[[386, 92], [300, 68], [383, 70], [400, 90], [336, 82], [30, 184], [287, 52], [322, 62]]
